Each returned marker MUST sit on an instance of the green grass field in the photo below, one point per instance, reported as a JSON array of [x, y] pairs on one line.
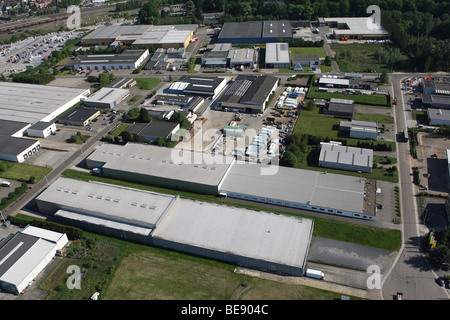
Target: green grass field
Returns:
[[23, 171], [133, 100], [363, 57], [374, 117], [147, 83], [122, 270], [378, 100], [308, 51]]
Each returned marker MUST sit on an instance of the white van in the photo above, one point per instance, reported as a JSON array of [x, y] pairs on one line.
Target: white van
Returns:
[[6, 184], [316, 274]]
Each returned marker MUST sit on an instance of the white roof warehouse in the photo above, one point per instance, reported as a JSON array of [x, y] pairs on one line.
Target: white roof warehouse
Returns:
[[260, 240]]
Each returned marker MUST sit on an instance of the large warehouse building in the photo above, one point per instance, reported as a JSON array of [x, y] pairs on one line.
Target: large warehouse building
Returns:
[[360, 28], [259, 240], [255, 32], [212, 174], [29, 109], [165, 167], [143, 36], [129, 59], [335, 155], [25, 254], [248, 94]]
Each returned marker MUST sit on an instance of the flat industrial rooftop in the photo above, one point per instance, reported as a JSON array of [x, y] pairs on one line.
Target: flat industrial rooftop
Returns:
[[255, 234], [100, 201], [314, 188], [30, 103], [163, 162]]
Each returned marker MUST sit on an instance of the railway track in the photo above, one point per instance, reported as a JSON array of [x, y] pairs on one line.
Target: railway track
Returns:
[[11, 27]]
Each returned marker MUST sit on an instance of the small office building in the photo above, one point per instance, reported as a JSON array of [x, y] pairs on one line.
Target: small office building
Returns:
[[79, 117], [41, 129], [360, 129], [341, 108], [306, 61], [242, 57], [106, 98]]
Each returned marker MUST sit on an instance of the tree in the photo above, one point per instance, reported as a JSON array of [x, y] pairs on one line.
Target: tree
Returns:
[[328, 61], [384, 78], [149, 13], [143, 116], [288, 160], [309, 104], [439, 255]]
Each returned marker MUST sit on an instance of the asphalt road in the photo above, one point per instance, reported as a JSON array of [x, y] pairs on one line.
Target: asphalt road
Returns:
[[412, 273]]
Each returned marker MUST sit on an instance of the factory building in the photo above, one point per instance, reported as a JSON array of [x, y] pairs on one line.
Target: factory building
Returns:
[[198, 85], [360, 129], [79, 117], [143, 36], [245, 57], [127, 60], [438, 101], [255, 32], [438, 117], [172, 168], [277, 56], [25, 254], [358, 28], [106, 98], [335, 155], [302, 189], [248, 94], [236, 235], [153, 130], [341, 108]]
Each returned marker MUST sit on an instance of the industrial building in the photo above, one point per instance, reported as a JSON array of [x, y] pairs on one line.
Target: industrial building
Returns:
[[215, 59], [79, 117], [360, 129], [436, 85], [198, 85], [341, 108], [335, 155], [277, 56], [323, 192], [127, 60], [41, 129], [122, 83], [438, 117], [30, 107], [236, 235], [30, 103], [436, 100], [306, 61], [244, 57], [248, 94], [172, 168], [143, 36], [335, 82], [153, 130], [25, 254], [106, 98], [255, 32], [358, 28]]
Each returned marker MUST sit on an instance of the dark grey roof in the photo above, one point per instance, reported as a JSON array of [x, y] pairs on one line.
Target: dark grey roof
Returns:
[[41, 125], [126, 56], [305, 58], [13, 248], [158, 128], [340, 108], [136, 128], [277, 29], [201, 84], [79, 115], [259, 90], [14, 146], [120, 82], [237, 89], [8, 128], [251, 29]]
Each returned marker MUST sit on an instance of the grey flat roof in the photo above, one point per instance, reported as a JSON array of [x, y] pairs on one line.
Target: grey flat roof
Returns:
[[8, 128], [259, 235], [23, 102], [12, 248], [201, 84], [241, 55], [334, 153], [128, 56], [111, 202], [438, 114], [163, 162], [277, 53], [112, 32], [277, 29], [40, 125], [305, 58], [327, 190], [158, 128], [107, 95], [252, 29], [78, 115], [259, 90]]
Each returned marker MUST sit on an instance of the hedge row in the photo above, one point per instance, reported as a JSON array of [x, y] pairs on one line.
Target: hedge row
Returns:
[[71, 232]]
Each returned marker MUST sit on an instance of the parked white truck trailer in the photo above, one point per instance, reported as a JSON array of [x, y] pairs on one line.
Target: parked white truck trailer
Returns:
[[316, 274]]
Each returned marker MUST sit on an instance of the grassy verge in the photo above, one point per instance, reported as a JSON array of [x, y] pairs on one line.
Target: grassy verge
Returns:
[[23, 171], [119, 129], [135, 99], [374, 117], [376, 237], [308, 51]]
